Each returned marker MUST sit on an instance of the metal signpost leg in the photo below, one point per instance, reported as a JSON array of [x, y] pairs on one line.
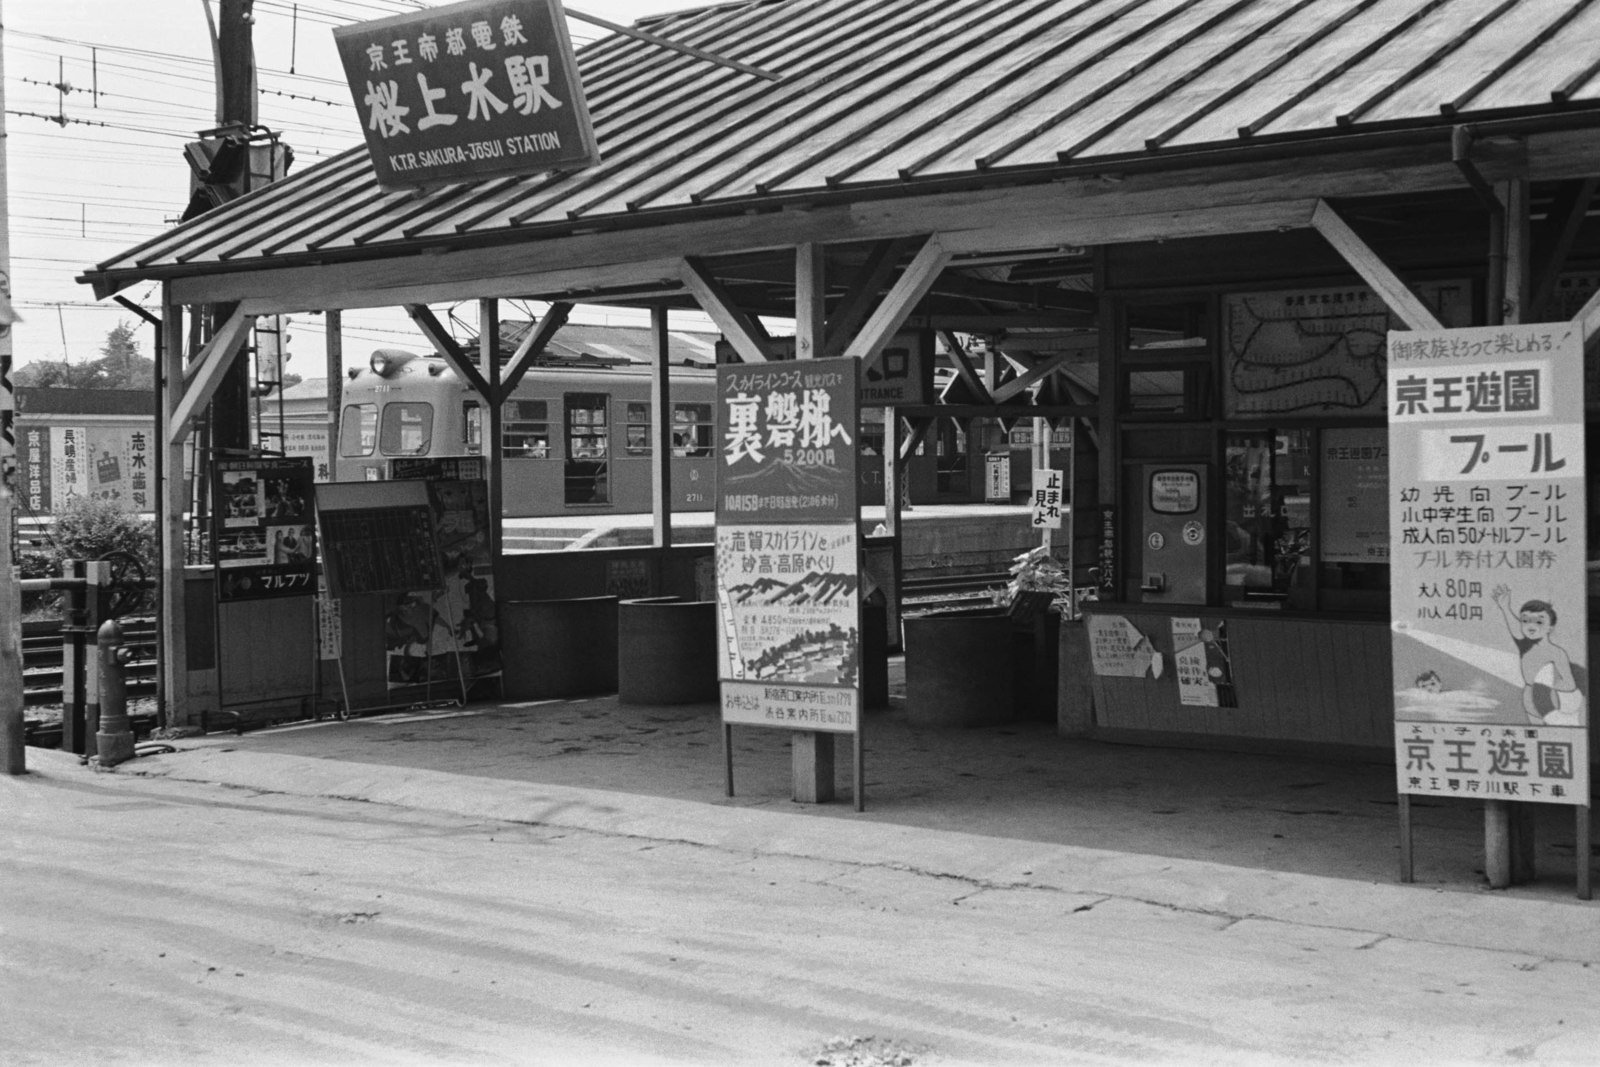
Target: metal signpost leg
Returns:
[[1581, 851], [727, 757], [1407, 873], [860, 776]]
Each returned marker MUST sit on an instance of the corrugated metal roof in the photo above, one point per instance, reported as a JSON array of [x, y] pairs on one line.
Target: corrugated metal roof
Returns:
[[886, 96]]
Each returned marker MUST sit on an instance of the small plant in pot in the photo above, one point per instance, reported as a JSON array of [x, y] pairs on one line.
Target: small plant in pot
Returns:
[[1036, 580]]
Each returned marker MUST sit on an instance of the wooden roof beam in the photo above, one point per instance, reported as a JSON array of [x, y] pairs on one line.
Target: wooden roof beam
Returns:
[[743, 331], [446, 346], [212, 363], [1367, 263], [1039, 370], [531, 348], [912, 285], [964, 368]]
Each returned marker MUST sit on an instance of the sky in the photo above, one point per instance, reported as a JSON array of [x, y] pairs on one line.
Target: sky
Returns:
[[100, 97]]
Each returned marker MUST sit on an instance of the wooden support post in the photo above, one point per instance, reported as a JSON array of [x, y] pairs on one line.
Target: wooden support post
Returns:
[[893, 469], [333, 363], [1515, 232], [1497, 843], [171, 506], [809, 289], [812, 757], [661, 412], [489, 369]]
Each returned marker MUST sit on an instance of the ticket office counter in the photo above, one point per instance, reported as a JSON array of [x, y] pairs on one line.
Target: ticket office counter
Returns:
[[1256, 556]]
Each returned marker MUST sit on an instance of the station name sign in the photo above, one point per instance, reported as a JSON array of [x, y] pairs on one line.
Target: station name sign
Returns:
[[468, 91]]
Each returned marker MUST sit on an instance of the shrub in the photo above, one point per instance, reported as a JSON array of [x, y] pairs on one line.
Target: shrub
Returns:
[[87, 529]]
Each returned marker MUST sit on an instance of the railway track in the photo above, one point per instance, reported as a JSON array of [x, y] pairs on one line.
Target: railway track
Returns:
[[937, 592], [42, 660]]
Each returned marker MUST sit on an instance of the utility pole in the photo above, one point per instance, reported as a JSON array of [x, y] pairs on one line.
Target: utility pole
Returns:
[[13, 757], [236, 105]]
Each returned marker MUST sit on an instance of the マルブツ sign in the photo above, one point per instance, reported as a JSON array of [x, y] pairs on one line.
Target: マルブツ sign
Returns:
[[456, 93], [1487, 536]]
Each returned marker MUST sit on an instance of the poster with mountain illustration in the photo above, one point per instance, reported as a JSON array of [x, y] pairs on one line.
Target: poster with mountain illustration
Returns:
[[789, 596]]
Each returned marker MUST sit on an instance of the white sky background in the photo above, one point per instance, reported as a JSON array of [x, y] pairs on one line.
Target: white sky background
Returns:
[[82, 192]]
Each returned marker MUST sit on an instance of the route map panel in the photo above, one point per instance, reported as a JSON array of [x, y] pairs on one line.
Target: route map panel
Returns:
[[1318, 351]]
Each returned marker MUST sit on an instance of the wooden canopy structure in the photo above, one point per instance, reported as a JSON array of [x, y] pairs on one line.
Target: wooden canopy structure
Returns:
[[953, 164]]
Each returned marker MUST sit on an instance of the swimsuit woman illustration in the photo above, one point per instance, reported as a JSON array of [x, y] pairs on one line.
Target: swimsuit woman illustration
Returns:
[[1550, 692]]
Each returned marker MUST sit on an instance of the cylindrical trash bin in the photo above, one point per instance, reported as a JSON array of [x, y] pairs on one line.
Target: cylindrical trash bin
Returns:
[[559, 648], [666, 651], [959, 670]]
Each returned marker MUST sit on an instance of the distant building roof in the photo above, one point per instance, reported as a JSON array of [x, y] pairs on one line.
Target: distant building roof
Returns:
[[33, 400]]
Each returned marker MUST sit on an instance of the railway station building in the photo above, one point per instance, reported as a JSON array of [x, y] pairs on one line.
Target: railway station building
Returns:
[[1182, 229]]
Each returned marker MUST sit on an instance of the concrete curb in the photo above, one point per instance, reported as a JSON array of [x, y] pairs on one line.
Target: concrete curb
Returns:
[[1539, 928]]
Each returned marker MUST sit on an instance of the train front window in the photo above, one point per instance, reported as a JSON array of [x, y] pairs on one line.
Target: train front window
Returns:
[[691, 429], [358, 430], [525, 429], [407, 429]]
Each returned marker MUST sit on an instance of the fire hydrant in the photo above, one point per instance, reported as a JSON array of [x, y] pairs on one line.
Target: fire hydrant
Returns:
[[114, 739]]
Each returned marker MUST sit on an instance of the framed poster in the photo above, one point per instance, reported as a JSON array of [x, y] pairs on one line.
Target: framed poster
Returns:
[[263, 536]]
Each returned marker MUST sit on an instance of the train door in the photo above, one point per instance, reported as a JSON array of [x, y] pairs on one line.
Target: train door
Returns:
[[588, 435], [1172, 549], [954, 479]]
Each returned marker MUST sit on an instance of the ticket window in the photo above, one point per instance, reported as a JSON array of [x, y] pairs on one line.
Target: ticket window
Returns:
[[1173, 532]]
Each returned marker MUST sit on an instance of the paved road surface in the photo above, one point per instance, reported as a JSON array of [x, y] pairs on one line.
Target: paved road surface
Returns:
[[152, 921]]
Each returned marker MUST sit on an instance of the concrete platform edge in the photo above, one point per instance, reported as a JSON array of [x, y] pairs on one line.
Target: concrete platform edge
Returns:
[[1539, 928]]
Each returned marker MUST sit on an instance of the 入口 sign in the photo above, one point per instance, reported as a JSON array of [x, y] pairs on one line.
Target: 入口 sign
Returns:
[[456, 93]]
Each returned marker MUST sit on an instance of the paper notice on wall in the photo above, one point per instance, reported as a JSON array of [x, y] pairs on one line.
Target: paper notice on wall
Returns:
[[1118, 650], [1204, 663]]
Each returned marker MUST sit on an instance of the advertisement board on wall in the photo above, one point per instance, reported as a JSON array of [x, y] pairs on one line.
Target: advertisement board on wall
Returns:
[[112, 463], [468, 90], [788, 553], [1317, 351], [1354, 495], [1487, 529]]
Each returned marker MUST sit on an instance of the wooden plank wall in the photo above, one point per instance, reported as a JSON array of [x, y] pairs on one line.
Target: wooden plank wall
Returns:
[[1297, 680]]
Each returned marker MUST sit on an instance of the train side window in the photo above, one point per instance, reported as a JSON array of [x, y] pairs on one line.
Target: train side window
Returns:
[[407, 429], [358, 430], [691, 429], [472, 425], [525, 429], [636, 429], [587, 430]]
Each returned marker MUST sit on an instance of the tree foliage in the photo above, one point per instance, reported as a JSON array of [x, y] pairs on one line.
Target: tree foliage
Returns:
[[120, 366]]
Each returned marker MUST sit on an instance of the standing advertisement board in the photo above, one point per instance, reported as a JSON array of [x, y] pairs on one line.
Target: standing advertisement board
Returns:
[[263, 542], [788, 545], [1486, 542]]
